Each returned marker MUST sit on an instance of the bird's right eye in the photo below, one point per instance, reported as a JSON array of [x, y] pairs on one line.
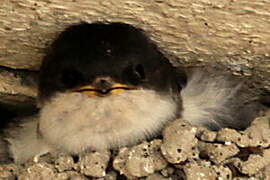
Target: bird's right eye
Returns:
[[139, 72], [70, 78], [135, 74]]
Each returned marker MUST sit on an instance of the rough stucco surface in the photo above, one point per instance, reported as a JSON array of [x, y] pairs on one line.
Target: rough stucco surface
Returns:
[[234, 33], [184, 153]]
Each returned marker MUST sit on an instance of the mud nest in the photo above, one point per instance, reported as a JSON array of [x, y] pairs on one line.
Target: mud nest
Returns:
[[183, 152]]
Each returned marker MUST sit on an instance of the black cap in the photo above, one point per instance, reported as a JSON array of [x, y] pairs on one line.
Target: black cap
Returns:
[[84, 52]]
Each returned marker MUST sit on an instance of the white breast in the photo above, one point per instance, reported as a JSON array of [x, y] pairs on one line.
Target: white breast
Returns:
[[73, 122]]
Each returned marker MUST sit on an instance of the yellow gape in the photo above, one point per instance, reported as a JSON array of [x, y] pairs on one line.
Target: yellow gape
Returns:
[[92, 91]]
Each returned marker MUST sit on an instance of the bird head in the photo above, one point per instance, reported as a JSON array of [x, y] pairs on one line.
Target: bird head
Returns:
[[110, 74]]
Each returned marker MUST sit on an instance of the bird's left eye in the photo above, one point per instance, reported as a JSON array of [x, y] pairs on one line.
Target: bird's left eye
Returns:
[[139, 72]]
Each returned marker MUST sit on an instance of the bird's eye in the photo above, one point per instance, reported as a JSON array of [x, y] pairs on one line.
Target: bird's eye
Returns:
[[70, 78], [134, 74], [139, 72]]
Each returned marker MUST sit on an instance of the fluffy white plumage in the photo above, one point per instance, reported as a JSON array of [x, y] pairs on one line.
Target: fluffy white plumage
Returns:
[[215, 100], [73, 122]]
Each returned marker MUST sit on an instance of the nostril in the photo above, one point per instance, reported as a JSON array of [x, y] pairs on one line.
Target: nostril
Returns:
[[103, 84], [102, 81]]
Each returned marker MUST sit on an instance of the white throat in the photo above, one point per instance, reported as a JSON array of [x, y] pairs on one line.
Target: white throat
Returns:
[[74, 122]]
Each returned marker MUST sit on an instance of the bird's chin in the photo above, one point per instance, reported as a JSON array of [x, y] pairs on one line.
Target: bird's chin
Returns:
[[73, 122]]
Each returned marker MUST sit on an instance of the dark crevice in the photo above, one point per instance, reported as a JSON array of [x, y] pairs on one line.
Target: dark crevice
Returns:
[[235, 171], [6, 115], [75, 158], [5, 68], [244, 153]]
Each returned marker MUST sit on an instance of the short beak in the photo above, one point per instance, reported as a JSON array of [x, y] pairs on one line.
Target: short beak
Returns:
[[92, 91]]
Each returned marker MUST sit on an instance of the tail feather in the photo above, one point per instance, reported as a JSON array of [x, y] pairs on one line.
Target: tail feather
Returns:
[[213, 100]]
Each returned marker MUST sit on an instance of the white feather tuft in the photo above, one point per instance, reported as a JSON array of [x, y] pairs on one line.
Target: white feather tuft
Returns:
[[213, 100]]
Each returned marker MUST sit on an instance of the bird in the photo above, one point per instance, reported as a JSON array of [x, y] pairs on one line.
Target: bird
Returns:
[[108, 85]]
